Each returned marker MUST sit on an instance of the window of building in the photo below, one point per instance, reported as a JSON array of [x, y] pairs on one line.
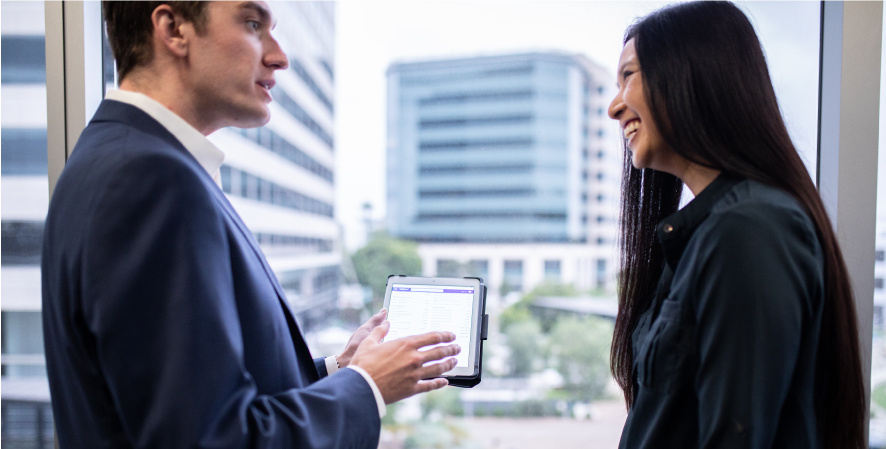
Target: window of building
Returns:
[[26, 404], [479, 268], [447, 268], [513, 276], [552, 270]]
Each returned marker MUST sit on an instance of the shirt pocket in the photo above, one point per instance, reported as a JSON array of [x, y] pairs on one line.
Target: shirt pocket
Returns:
[[662, 350]]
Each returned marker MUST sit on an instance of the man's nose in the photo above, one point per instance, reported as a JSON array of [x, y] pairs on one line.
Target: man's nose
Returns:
[[275, 57]]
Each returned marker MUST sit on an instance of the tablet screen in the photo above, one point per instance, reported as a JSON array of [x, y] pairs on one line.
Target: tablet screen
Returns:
[[416, 309]]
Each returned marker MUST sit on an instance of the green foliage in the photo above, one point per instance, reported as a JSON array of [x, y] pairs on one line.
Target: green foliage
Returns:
[[390, 420], [525, 340], [384, 256], [581, 350], [446, 401], [440, 435], [513, 315], [878, 396], [549, 289], [520, 311]]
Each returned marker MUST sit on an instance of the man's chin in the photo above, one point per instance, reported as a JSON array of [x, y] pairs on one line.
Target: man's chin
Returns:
[[254, 119]]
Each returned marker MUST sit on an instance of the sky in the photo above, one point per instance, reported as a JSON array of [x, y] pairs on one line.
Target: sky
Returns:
[[370, 35]]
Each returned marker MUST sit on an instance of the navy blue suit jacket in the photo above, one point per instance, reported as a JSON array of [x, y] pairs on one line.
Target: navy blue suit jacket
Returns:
[[164, 325]]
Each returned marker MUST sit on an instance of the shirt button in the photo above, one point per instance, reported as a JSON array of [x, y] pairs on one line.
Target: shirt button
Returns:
[[668, 228]]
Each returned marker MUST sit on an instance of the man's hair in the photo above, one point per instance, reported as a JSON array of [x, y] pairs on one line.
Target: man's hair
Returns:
[[130, 28]]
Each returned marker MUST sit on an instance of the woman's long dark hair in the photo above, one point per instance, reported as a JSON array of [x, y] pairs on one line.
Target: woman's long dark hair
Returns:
[[709, 91]]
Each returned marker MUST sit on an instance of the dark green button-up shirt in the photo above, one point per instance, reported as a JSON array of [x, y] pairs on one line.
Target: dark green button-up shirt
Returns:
[[725, 355]]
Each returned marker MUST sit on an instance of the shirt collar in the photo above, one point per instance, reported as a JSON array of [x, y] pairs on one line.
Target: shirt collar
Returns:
[[208, 155], [675, 231]]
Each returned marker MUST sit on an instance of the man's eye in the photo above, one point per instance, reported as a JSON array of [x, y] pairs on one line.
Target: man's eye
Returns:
[[253, 24]]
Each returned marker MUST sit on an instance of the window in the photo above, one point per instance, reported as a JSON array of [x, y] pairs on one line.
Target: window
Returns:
[[447, 268], [486, 154], [552, 270], [513, 276], [27, 412]]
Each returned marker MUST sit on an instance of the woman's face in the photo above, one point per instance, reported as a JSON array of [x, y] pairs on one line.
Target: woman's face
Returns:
[[630, 108]]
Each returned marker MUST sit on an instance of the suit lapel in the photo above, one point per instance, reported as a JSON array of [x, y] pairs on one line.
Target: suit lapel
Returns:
[[301, 348], [116, 111]]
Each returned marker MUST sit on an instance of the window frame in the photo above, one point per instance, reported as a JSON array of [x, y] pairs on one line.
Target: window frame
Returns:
[[849, 104]]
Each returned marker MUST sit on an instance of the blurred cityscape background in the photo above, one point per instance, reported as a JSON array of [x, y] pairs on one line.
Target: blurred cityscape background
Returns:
[[422, 138]]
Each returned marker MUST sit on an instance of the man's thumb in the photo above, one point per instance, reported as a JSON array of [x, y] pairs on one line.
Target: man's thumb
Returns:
[[378, 334]]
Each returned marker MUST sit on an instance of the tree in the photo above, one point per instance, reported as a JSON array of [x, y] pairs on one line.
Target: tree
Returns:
[[519, 311], [525, 344], [384, 256], [581, 350]]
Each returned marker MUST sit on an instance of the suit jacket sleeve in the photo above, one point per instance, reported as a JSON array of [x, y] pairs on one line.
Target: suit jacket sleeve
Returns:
[[320, 363], [158, 298]]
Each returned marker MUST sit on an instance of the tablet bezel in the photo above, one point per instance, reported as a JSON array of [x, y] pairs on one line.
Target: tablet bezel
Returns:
[[476, 315]]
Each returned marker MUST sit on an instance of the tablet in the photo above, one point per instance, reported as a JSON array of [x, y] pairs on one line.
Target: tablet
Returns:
[[417, 305]]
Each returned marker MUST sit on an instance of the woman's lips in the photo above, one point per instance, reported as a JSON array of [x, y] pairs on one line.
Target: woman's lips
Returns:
[[630, 129]]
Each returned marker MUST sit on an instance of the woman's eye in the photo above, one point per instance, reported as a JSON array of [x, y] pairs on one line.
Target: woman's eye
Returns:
[[626, 74]]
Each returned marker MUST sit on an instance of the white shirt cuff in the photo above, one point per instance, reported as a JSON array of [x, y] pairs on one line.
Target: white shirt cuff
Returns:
[[380, 401], [331, 365]]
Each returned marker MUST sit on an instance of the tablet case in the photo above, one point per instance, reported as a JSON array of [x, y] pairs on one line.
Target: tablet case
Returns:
[[472, 381]]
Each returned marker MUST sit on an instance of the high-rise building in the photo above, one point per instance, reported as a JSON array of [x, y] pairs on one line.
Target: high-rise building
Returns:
[[504, 150], [280, 178]]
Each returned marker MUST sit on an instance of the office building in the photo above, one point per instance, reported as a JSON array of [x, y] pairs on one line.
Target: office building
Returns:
[[506, 154], [280, 178]]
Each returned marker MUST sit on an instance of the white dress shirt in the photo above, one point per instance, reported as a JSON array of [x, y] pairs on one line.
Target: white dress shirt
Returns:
[[210, 158]]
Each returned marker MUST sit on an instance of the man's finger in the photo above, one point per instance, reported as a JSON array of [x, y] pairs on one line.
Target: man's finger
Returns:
[[378, 334], [376, 319], [431, 338], [425, 386], [440, 352], [437, 369]]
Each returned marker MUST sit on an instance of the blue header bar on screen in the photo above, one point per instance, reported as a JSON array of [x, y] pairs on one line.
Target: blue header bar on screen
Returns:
[[433, 289]]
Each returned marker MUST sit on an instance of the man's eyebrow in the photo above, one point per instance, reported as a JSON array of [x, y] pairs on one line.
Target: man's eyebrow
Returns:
[[263, 12]]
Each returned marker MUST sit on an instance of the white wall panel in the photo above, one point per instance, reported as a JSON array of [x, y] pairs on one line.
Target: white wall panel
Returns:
[[24, 198], [23, 105], [20, 288]]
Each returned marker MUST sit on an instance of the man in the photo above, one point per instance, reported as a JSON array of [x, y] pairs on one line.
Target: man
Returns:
[[164, 325]]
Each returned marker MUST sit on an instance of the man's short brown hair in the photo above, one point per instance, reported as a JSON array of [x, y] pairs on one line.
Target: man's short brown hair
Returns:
[[130, 28]]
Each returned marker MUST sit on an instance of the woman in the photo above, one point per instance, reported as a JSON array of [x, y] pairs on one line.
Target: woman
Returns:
[[736, 324]]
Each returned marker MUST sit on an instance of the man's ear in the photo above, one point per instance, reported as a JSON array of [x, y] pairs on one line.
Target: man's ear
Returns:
[[171, 31]]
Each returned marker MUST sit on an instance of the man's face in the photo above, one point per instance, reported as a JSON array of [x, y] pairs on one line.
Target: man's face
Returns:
[[231, 67]]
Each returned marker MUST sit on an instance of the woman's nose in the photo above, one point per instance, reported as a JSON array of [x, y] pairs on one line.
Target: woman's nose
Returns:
[[617, 106]]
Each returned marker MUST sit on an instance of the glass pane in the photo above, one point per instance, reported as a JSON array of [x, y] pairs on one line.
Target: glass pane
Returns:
[[471, 146], [27, 415], [281, 179], [878, 346]]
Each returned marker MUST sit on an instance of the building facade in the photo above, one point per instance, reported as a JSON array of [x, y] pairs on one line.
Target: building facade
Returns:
[[506, 153], [281, 177]]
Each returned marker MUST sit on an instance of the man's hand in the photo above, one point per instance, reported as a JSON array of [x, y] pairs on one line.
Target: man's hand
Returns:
[[344, 359], [396, 366]]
